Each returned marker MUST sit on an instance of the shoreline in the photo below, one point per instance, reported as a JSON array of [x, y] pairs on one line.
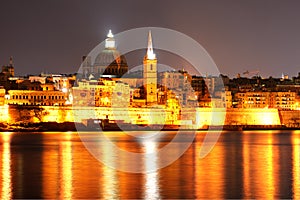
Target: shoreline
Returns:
[[80, 127]]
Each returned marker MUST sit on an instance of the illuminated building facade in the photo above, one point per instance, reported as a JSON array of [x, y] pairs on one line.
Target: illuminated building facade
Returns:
[[280, 100], [101, 93], [2, 95], [36, 98], [226, 97]]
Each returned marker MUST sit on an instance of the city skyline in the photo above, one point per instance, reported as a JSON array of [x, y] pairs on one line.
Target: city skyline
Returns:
[[240, 37], [131, 99]]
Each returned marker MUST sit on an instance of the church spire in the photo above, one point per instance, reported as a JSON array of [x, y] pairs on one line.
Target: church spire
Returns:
[[11, 61], [150, 53]]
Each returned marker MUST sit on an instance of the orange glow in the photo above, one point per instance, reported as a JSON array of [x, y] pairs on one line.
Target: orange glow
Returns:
[[296, 167], [270, 190], [259, 171], [267, 119], [6, 168], [4, 117], [246, 170], [50, 174], [151, 185], [110, 186], [66, 170], [209, 169]]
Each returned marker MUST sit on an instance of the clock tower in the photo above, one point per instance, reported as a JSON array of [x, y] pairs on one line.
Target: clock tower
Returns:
[[150, 74]]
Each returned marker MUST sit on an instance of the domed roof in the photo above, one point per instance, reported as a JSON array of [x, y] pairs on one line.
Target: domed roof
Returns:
[[110, 56], [109, 61]]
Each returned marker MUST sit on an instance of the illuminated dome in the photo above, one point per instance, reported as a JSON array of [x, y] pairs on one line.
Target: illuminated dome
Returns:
[[108, 57], [109, 61]]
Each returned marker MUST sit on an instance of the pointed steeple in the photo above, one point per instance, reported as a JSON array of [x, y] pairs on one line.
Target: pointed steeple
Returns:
[[11, 61], [150, 53]]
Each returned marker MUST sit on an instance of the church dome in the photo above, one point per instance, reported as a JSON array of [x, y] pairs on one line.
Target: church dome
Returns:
[[108, 57], [109, 61]]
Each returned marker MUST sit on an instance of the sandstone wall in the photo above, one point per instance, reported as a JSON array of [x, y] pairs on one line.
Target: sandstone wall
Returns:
[[199, 116]]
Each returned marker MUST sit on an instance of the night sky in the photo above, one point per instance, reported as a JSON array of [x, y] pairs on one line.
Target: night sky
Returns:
[[51, 36]]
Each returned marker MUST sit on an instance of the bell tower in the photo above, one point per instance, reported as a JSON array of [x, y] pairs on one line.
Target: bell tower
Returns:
[[150, 73]]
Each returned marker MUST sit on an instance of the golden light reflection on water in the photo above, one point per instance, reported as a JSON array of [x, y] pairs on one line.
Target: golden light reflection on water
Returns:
[[66, 160], [110, 186], [247, 166], [50, 173], [296, 167], [151, 178], [269, 175], [6, 167], [209, 171], [258, 169], [246, 170], [58, 169]]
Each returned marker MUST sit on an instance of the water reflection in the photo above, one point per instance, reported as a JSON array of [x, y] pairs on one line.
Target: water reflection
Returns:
[[151, 178], [51, 160], [57, 166], [258, 167], [57, 169], [209, 171], [110, 179], [296, 167], [6, 167], [66, 174]]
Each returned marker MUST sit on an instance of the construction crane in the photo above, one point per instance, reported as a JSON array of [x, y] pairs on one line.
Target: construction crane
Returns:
[[251, 73]]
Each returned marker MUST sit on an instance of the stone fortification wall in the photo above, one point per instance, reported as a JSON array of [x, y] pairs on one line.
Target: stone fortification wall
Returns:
[[200, 116]]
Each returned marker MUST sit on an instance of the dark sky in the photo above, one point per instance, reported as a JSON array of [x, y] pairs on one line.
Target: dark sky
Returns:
[[51, 36]]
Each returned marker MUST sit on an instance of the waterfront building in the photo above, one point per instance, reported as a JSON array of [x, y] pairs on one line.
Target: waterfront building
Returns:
[[2, 95], [36, 98], [102, 93], [226, 97], [283, 100], [258, 99]]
